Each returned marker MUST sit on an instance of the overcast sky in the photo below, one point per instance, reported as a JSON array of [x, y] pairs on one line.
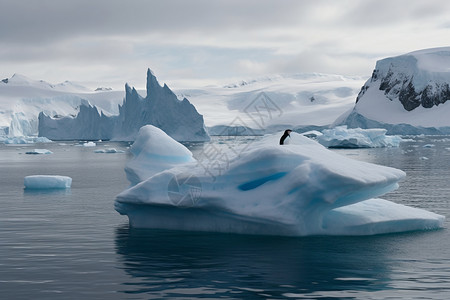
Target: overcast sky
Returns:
[[195, 43]]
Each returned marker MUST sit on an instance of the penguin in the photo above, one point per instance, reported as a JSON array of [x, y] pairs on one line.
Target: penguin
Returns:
[[285, 135]]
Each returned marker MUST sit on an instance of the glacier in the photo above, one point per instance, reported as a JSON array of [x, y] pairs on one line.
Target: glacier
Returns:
[[343, 137], [298, 189], [406, 94], [22, 99], [160, 107]]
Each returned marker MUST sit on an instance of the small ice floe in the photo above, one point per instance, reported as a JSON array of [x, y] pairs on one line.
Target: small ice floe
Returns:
[[343, 137], [89, 144], [423, 158], [39, 151], [109, 150], [47, 182], [428, 146]]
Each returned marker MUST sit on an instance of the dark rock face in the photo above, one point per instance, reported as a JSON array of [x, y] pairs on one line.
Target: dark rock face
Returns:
[[400, 86], [408, 97]]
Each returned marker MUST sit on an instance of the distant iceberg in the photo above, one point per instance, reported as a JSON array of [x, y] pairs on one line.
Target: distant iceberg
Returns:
[[89, 144], [294, 190], [160, 107], [343, 137], [108, 150], [39, 151]]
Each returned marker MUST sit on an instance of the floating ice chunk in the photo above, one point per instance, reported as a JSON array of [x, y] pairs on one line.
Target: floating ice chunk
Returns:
[[343, 137], [297, 189], [39, 151], [47, 182], [108, 150], [89, 144], [428, 146]]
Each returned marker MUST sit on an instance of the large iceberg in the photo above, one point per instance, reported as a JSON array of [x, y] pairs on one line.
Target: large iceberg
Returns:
[[262, 188], [343, 137], [160, 107]]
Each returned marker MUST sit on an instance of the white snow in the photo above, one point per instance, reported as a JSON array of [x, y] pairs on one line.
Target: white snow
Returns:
[[343, 137], [89, 144], [298, 189], [39, 151], [294, 99], [376, 106], [47, 182]]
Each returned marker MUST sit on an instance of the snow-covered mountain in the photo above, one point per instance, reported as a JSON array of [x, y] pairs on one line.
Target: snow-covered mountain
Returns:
[[23, 81], [406, 94], [22, 99], [161, 108], [274, 102]]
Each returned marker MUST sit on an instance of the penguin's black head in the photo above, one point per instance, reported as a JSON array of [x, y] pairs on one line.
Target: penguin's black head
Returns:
[[287, 131]]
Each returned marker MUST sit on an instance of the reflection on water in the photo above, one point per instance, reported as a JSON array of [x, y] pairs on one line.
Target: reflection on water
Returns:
[[176, 264], [57, 193]]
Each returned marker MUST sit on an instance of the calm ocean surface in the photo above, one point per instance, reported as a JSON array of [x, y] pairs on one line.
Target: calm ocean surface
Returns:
[[74, 245]]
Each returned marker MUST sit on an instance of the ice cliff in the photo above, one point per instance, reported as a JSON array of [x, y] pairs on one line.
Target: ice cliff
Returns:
[[296, 190], [160, 108], [409, 92]]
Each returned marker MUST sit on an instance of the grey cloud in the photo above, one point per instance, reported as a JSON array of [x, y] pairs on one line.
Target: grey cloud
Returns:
[[386, 13], [208, 39], [30, 21]]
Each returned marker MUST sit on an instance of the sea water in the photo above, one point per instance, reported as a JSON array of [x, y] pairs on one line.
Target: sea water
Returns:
[[72, 244]]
